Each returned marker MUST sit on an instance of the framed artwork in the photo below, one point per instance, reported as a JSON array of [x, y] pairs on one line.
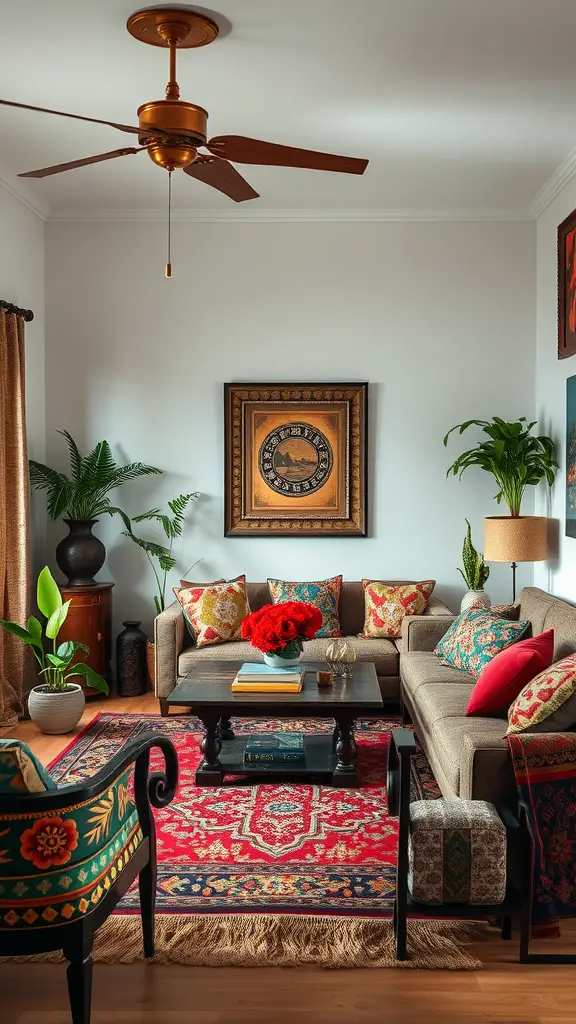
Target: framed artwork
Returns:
[[567, 287], [295, 460], [571, 457]]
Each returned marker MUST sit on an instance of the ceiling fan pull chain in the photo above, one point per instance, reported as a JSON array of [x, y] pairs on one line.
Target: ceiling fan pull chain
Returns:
[[168, 271]]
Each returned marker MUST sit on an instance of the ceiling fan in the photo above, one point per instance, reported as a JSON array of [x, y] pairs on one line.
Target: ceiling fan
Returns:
[[172, 130]]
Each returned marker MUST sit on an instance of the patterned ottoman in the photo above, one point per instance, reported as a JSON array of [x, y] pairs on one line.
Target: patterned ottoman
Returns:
[[456, 852]]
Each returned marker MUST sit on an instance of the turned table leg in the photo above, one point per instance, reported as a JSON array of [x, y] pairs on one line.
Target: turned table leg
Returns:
[[210, 771], [225, 728], [345, 773]]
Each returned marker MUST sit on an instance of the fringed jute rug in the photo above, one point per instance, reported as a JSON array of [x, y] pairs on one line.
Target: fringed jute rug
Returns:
[[269, 874]]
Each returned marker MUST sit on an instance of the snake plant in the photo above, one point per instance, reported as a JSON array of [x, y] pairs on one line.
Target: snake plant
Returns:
[[475, 572]]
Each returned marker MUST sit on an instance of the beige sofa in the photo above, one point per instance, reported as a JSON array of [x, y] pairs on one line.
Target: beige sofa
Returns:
[[469, 756], [176, 656]]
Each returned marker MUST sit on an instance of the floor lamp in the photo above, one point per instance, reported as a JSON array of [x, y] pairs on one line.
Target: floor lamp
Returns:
[[515, 539]]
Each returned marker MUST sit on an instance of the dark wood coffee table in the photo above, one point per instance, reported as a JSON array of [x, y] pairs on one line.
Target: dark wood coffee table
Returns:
[[330, 757]]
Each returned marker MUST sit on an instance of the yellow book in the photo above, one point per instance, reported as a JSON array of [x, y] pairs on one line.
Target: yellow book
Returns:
[[238, 687]]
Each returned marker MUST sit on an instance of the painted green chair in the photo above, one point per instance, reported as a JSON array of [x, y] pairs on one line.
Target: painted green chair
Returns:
[[68, 854]]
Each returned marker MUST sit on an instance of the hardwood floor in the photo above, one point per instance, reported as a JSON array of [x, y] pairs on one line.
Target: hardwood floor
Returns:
[[503, 991]]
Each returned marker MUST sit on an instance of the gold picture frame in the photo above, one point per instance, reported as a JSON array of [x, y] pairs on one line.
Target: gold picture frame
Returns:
[[295, 460]]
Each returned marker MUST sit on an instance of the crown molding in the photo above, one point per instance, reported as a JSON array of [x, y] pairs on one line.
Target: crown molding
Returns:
[[555, 183], [259, 215], [39, 210]]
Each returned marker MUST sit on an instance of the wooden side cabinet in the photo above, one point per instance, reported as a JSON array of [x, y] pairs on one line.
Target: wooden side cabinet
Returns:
[[90, 621]]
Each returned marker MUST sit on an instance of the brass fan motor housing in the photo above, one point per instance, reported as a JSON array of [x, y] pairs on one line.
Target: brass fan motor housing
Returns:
[[177, 115]]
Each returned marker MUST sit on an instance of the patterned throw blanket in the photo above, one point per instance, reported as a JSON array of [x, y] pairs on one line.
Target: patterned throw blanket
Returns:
[[545, 768]]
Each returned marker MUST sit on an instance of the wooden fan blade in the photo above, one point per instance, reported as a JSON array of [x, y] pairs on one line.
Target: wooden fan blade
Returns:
[[154, 132], [43, 172], [221, 175], [252, 151]]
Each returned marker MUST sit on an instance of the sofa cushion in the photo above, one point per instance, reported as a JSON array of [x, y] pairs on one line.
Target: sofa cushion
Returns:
[[419, 668], [477, 636], [548, 702], [214, 613], [388, 604], [382, 652], [437, 701], [323, 594], [509, 672]]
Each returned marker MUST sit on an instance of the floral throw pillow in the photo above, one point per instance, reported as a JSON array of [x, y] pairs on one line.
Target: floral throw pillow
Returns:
[[387, 604], [477, 636], [324, 594], [548, 702], [21, 771], [214, 613]]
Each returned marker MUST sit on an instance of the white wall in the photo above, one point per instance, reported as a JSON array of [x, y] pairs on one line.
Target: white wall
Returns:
[[22, 282], [559, 574], [439, 317]]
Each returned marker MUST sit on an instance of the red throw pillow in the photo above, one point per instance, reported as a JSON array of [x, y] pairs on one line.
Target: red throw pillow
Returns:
[[509, 672]]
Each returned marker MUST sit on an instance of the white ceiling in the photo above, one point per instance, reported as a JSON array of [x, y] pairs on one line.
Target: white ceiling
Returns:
[[458, 104]]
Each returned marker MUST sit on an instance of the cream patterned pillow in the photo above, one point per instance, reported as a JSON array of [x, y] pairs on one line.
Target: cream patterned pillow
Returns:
[[214, 613]]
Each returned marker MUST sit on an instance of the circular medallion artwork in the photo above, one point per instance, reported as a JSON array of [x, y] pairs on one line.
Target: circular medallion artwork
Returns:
[[295, 459]]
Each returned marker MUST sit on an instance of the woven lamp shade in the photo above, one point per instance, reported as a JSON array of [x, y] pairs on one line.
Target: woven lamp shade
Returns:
[[520, 539]]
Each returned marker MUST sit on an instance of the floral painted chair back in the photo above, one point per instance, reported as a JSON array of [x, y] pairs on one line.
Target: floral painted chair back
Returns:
[[55, 867]]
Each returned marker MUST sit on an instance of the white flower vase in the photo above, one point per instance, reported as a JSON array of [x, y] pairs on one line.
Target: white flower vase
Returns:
[[290, 656], [475, 597], [56, 712]]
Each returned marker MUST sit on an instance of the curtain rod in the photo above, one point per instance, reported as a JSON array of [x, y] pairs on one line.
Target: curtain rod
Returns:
[[26, 314]]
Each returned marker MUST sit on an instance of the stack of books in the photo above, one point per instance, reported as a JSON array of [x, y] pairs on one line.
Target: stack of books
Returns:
[[257, 678], [276, 748]]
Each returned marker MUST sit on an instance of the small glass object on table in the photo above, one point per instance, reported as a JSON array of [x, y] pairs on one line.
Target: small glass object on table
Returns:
[[340, 656]]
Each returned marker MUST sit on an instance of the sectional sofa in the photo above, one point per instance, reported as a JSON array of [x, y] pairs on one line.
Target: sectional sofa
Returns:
[[469, 756]]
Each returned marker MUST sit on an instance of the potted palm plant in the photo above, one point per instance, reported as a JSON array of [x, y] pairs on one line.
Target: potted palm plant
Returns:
[[79, 500], [517, 459], [475, 572], [160, 556], [56, 703]]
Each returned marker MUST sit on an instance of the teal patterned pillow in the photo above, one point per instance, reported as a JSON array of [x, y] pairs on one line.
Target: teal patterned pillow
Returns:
[[324, 594], [21, 771], [477, 636]]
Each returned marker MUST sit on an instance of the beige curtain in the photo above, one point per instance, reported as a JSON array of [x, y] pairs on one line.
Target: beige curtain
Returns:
[[15, 663]]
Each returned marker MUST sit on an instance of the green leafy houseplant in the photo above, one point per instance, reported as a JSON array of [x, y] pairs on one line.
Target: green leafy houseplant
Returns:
[[55, 668], [515, 457], [83, 495], [160, 556], [475, 572]]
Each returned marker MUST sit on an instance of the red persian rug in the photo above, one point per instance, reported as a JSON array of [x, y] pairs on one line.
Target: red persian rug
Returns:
[[265, 852]]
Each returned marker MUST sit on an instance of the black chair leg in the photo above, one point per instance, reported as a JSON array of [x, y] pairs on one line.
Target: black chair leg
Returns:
[[506, 927], [400, 929], [79, 978], [147, 888]]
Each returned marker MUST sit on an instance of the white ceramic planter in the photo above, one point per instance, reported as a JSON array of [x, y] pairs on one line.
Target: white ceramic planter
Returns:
[[475, 597], [56, 713]]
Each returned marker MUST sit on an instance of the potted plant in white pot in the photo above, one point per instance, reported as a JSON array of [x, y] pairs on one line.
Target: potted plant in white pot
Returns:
[[160, 556], [79, 500], [517, 459], [475, 572], [56, 703]]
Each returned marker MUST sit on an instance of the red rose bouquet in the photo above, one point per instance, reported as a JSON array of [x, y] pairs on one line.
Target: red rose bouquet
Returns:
[[280, 629]]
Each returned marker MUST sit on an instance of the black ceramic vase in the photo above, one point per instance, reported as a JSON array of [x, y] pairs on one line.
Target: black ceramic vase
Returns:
[[131, 660], [80, 555]]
